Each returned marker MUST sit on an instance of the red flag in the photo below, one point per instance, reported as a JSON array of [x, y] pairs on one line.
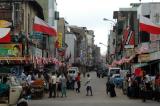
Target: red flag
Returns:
[[5, 35], [42, 26], [148, 26]]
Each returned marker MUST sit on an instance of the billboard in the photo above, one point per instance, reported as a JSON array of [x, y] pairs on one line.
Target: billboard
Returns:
[[10, 50]]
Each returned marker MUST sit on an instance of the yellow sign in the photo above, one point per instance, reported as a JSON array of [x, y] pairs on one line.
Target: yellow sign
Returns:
[[144, 58], [12, 58], [4, 24], [60, 40]]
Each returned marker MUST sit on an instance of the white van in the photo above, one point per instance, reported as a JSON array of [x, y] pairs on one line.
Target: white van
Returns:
[[113, 70], [73, 71]]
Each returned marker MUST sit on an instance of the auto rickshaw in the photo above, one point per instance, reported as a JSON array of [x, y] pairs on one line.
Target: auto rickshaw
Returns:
[[10, 90]]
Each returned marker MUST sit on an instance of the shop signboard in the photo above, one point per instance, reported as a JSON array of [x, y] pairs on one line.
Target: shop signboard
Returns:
[[59, 40], [37, 52], [154, 46], [144, 58], [10, 50], [144, 47], [155, 55]]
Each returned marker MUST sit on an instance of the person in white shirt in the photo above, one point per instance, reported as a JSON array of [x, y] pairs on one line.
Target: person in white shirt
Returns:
[[54, 80], [58, 85], [63, 85], [88, 85], [29, 79]]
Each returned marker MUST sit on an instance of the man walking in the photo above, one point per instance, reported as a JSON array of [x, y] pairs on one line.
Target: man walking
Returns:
[[63, 85], [54, 80], [88, 85]]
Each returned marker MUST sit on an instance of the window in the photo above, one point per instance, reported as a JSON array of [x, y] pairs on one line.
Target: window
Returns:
[[157, 18], [56, 15], [144, 36]]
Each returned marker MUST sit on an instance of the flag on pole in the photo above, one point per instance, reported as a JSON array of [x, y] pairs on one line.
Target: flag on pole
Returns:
[[148, 26], [5, 35], [41, 26]]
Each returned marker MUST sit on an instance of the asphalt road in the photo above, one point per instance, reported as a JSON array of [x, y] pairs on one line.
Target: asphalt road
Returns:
[[99, 97]]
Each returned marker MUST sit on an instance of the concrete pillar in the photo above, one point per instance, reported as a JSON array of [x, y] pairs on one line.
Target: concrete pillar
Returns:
[[51, 12]]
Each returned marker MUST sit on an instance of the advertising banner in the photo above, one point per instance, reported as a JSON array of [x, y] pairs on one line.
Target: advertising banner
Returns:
[[4, 24], [10, 50], [59, 40]]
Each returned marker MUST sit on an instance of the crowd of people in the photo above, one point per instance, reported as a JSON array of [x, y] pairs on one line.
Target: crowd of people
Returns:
[[145, 86], [55, 83]]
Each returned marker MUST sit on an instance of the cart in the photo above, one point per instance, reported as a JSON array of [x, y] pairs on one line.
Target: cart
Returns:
[[37, 89]]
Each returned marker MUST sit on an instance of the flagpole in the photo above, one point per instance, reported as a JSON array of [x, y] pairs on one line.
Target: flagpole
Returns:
[[139, 36]]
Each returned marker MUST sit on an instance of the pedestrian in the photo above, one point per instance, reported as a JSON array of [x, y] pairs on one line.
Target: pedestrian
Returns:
[[54, 79], [22, 102], [58, 85], [129, 88], [78, 83], [143, 89], [50, 87], [157, 88], [108, 87], [63, 85], [112, 88], [88, 85]]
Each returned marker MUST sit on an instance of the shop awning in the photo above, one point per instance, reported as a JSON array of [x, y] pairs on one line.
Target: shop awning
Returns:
[[139, 65], [41, 26]]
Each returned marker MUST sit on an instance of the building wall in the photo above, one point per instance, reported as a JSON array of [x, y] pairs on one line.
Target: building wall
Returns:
[[70, 39], [151, 9], [49, 8], [44, 4], [112, 42]]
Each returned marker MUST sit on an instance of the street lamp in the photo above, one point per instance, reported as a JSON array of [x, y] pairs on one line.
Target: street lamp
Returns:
[[105, 19], [102, 44], [107, 53]]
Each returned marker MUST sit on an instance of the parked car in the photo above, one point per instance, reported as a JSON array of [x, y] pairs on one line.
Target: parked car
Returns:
[[76, 68], [104, 72], [118, 80], [73, 71], [113, 70], [72, 74]]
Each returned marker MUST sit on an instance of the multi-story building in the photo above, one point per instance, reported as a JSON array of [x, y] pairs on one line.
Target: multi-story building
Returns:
[[96, 56], [111, 55], [33, 46], [149, 43], [135, 48], [71, 41], [51, 15], [90, 47]]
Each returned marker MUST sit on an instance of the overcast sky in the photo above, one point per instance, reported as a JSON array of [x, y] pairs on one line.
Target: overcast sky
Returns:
[[90, 14]]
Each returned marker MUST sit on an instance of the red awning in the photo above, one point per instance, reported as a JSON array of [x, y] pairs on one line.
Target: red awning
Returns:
[[42, 26]]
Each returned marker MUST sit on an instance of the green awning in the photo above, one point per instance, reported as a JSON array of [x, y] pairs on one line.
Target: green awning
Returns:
[[139, 65]]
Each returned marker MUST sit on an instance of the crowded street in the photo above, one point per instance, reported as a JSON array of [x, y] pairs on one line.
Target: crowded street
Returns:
[[79, 53], [99, 98]]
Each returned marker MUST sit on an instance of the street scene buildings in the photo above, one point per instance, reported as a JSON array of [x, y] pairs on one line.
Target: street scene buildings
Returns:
[[40, 53]]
